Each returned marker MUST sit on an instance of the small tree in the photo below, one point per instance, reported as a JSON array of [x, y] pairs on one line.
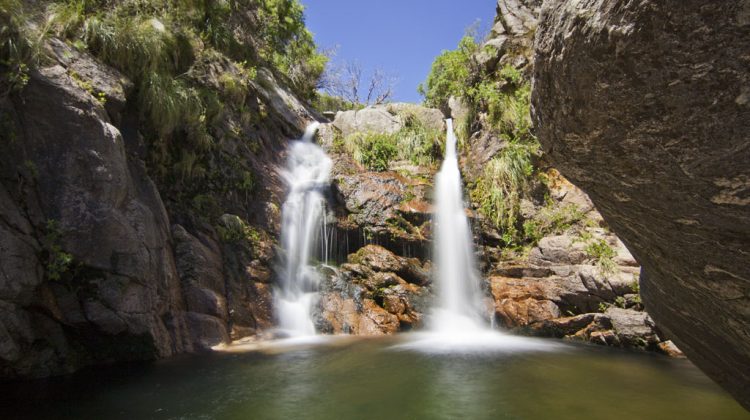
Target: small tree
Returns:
[[346, 80]]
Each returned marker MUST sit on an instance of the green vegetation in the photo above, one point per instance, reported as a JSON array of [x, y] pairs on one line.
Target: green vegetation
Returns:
[[170, 50], [505, 181], [503, 96], [414, 142], [56, 261], [417, 143], [603, 253], [551, 220], [450, 75], [508, 176], [288, 45], [324, 102], [237, 231], [20, 46], [373, 150]]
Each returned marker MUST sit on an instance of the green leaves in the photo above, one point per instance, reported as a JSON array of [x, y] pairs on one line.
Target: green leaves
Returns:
[[450, 74]]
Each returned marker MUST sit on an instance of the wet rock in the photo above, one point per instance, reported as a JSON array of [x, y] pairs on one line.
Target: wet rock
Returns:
[[661, 151], [668, 348], [206, 331], [632, 328], [379, 259], [341, 315], [372, 197]]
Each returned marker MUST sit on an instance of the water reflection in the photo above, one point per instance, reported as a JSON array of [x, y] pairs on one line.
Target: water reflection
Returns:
[[367, 379]]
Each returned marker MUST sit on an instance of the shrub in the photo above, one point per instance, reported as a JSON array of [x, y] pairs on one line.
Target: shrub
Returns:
[[171, 49], [58, 262], [551, 219], [450, 74], [417, 143], [20, 46], [376, 151], [324, 102], [289, 45], [504, 182], [236, 230], [603, 254]]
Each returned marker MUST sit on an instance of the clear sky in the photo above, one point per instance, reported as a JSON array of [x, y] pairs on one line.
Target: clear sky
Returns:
[[400, 36]]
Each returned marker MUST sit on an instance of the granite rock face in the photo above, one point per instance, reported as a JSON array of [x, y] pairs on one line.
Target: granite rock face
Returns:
[[100, 261], [646, 106]]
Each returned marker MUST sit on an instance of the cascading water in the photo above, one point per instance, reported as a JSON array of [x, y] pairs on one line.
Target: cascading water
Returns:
[[307, 176], [456, 323], [456, 278]]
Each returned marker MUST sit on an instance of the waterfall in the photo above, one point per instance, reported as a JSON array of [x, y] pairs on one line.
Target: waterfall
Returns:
[[456, 323], [307, 176], [456, 278]]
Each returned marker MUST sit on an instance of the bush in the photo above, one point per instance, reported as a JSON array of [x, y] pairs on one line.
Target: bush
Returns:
[[417, 143], [504, 182], [376, 151], [20, 46], [234, 230], [58, 262], [450, 74], [289, 45], [550, 220], [323, 103], [602, 253]]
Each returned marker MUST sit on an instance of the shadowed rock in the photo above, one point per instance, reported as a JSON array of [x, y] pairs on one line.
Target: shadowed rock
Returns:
[[646, 106]]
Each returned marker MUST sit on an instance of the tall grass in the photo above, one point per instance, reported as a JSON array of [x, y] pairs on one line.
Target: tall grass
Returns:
[[414, 142], [505, 181], [20, 46], [417, 143]]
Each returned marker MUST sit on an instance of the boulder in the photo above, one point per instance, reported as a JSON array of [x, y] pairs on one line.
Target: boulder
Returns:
[[84, 198], [459, 109], [431, 118], [559, 250], [378, 259], [655, 129], [367, 120]]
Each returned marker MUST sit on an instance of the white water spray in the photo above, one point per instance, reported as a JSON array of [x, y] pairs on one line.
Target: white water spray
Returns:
[[456, 277], [456, 325], [307, 176]]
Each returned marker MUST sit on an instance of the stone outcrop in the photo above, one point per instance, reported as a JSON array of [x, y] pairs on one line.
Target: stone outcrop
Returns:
[[99, 261], [386, 119], [376, 292], [646, 106]]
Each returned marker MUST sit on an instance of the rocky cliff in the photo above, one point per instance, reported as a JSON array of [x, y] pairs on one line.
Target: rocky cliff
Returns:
[[645, 105], [121, 241]]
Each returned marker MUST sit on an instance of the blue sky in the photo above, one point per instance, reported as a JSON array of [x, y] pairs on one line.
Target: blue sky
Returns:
[[401, 37]]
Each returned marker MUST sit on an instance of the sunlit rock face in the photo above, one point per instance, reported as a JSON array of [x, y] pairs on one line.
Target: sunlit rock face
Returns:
[[646, 106]]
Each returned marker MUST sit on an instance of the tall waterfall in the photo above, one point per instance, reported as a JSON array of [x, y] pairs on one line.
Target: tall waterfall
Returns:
[[307, 176], [456, 278]]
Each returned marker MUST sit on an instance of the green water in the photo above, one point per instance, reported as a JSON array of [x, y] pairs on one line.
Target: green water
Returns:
[[368, 379]]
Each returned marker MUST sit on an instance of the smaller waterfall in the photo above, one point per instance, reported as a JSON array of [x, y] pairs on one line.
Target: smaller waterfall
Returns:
[[307, 176], [456, 278]]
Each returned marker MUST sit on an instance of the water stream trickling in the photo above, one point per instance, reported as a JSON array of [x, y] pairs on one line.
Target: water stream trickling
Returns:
[[307, 176]]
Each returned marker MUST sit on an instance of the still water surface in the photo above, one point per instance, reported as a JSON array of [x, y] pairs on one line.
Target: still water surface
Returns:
[[381, 379]]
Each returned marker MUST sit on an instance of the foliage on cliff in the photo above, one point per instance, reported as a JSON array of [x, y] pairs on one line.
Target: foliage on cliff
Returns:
[[498, 103], [194, 67], [19, 47]]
